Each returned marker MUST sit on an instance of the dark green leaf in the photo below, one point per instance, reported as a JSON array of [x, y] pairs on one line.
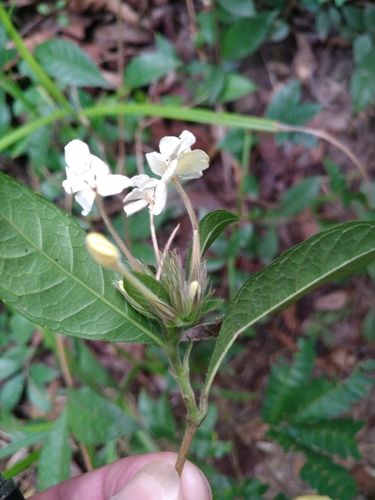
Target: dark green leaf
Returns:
[[362, 83], [54, 461], [329, 478], [48, 276], [324, 257], [212, 225], [334, 436], [330, 400], [69, 65], [285, 382], [95, 420], [243, 37], [151, 66], [300, 196]]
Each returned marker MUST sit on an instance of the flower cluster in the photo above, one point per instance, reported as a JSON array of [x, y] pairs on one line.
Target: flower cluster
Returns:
[[88, 176]]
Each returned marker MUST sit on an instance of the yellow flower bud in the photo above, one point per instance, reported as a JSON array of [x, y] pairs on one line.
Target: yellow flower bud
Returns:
[[102, 250]]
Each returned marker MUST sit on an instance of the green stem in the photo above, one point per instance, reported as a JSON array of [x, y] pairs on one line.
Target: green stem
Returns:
[[195, 415], [43, 78]]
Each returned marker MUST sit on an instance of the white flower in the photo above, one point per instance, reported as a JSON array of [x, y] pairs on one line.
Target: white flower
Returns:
[[176, 160], [143, 195], [87, 175]]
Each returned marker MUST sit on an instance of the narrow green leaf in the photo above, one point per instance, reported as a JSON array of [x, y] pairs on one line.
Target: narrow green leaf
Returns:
[[69, 65], [95, 420], [157, 415], [28, 440], [48, 276], [38, 396], [324, 257], [54, 461]]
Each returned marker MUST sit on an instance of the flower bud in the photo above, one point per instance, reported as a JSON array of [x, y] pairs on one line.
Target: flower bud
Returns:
[[194, 291], [102, 250]]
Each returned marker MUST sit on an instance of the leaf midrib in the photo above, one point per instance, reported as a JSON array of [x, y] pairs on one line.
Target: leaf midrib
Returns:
[[74, 278], [213, 371]]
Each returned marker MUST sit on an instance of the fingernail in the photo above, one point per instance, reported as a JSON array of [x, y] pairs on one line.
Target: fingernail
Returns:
[[156, 480]]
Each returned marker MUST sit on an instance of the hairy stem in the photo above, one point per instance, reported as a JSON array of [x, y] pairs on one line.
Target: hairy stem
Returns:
[[191, 429]]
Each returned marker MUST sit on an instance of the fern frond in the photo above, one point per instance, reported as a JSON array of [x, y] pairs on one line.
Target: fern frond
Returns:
[[285, 382], [331, 400], [334, 436], [329, 478]]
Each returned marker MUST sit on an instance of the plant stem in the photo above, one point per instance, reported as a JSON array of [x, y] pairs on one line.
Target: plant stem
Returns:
[[154, 239], [116, 237], [191, 429], [194, 416]]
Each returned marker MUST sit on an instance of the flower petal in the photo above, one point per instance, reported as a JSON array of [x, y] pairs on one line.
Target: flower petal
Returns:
[[187, 139], [97, 167], [192, 161], [77, 156], [168, 145], [160, 196], [157, 163], [86, 200], [112, 184], [143, 181], [73, 182], [135, 206]]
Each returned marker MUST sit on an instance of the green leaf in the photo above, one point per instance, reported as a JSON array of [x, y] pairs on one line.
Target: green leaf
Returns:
[[212, 225], [368, 326], [334, 436], [150, 66], [239, 8], [38, 396], [285, 106], [324, 257], [69, 65], [23, 442], [157, 415], [329, 478], [12, 361], [362, 83], [95, 420], [300, 196], [210, 228], [11, 392], [362, 46], [285, 382], [243, 37], [55, 458], [329, 400], [48, 276], [236, 86]]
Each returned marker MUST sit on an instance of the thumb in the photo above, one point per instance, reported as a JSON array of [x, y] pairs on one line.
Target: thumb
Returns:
[[157, 480]]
